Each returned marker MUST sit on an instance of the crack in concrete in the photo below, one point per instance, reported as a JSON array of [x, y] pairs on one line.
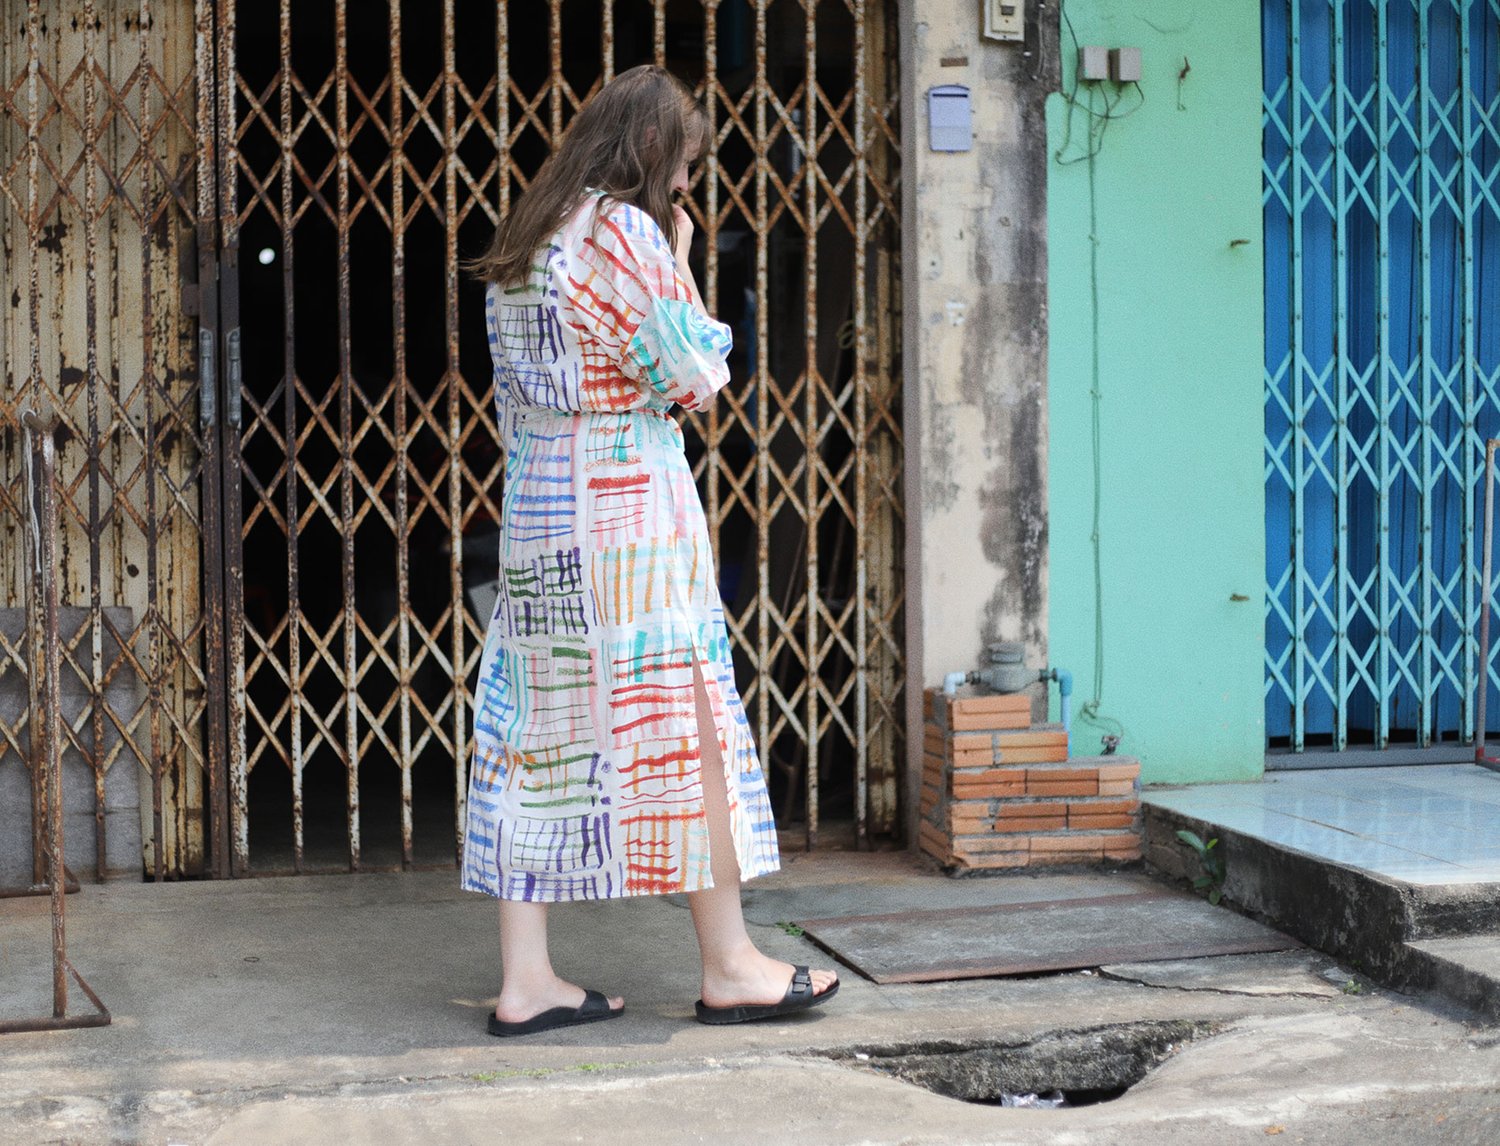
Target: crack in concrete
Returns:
[[1288, 994], [168, 1102], [1183, 1028]]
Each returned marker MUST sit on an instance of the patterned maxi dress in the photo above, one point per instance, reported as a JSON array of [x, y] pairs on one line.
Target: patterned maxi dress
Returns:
[[586, 781]]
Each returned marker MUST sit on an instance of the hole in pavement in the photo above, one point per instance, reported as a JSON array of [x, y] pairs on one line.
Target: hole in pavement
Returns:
[[1079, 1068]]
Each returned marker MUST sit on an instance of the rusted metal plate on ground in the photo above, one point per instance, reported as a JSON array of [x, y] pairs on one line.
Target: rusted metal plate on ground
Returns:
[[1031, 938]]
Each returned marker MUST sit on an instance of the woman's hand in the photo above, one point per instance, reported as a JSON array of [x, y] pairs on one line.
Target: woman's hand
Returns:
[[684, 242], [680, 248]]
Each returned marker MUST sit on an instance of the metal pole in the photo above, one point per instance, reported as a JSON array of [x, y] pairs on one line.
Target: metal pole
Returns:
[[41, 521], [1480, 757], [42, 508]]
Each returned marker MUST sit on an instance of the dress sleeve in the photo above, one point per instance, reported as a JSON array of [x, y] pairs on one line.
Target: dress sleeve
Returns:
[[674, 348]]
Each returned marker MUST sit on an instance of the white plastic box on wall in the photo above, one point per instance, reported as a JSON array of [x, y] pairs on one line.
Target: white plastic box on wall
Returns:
[[950, 123], [1004, 20]]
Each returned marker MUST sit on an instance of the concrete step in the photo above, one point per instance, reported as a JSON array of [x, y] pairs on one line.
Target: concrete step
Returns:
[[1413, 937], [1465, 969]]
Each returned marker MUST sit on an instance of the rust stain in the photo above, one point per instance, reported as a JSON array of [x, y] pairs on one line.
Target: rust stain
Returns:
[[44, 648], [52, 236]]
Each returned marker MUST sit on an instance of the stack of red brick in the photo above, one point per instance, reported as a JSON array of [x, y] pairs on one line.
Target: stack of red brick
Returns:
[[999, 791]]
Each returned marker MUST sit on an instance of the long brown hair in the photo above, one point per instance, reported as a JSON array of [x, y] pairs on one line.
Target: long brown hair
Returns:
[[628, 142]]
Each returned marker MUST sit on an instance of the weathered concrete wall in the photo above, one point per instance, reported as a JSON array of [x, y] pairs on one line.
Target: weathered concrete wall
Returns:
[[975, 346], [1176, 236]]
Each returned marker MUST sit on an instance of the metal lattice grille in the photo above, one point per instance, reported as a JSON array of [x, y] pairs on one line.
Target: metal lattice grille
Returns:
[[99, 190], [1382, 220], [375, 145]]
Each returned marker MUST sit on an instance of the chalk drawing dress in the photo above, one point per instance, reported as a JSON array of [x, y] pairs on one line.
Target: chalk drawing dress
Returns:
[[586, 781]]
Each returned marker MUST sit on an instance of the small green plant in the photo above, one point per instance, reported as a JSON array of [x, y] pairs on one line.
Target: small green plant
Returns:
[[546, 1071], [497, 1075], [1210, 861], [1352, 987], [791, 929]]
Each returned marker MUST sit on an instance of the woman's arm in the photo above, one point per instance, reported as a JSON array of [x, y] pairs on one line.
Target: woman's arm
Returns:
[[645, 296]]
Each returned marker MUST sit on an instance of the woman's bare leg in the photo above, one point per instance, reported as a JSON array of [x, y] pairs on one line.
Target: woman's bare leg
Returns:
[[528, 984], [734, 971]]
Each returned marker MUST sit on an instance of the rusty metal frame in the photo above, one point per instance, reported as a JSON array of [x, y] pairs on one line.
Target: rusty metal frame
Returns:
[[44, 644], [126, 187], [826, 191], [822, 164], [101, 139]]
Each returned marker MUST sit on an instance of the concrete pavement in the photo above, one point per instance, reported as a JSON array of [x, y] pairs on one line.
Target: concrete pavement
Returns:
[[300, 1010]]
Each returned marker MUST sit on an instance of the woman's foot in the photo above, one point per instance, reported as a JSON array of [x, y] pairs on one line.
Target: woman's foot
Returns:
[[519, 1002], [756, 979]]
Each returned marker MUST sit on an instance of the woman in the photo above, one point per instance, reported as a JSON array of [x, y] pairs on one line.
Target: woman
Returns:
[[612, 755]]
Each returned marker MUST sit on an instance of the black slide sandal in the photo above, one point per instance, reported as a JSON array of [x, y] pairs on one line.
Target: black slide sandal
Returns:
[[799, 997], [595, 1008]]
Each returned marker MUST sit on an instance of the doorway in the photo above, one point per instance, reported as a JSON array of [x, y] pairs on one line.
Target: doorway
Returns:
[[361, 168], [1382, 374]]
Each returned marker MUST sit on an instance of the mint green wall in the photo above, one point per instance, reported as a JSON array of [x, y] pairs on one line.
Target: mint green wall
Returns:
[[1180, 327]]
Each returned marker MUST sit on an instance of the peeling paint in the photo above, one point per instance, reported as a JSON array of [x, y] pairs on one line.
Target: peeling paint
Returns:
[[52, 237]]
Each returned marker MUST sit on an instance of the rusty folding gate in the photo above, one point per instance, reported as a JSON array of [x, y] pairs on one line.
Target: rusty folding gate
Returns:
[[233, 246]]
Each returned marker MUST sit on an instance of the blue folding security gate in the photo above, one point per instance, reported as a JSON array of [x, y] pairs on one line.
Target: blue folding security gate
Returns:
[[1382, 245]]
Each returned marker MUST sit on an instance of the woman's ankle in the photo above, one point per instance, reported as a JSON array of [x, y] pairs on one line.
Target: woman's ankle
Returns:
[[733, 961], [528, 985]]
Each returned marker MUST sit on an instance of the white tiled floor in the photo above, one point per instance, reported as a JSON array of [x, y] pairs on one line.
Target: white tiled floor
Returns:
[[1430, 824]]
